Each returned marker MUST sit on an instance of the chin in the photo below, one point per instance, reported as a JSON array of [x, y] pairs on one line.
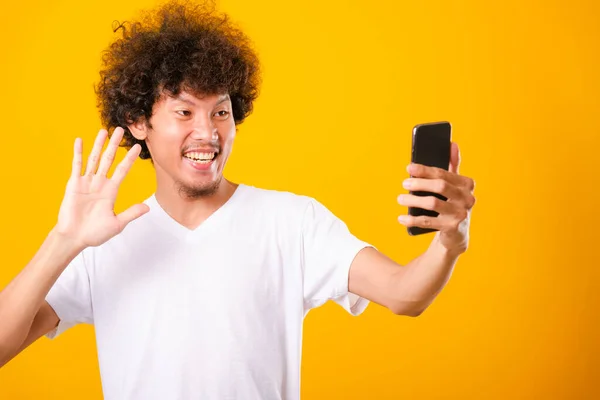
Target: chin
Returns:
[[198, 190]]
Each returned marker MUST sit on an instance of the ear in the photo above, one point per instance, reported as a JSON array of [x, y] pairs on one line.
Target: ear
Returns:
[[139, 129]]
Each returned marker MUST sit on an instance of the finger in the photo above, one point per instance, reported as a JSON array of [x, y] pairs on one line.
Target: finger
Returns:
[[421, 221], [125, 164], [77, 158], [92, 162], [428, 172], [111, 150], [427, 202], [132, 213], [454, 158], [438, 186]]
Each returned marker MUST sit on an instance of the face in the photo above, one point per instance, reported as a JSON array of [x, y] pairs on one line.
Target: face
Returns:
[[189, 140]]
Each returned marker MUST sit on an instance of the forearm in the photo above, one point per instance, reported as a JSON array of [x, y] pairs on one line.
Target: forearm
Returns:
[[23, 296], [421, 280]]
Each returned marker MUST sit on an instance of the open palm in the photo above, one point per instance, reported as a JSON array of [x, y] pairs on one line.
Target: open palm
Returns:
[[87, 212]]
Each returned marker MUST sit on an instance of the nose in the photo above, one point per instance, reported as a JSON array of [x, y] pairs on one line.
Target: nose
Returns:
[[204, 129]]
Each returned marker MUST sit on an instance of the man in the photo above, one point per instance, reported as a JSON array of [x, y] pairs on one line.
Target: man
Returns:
[[201, 290]]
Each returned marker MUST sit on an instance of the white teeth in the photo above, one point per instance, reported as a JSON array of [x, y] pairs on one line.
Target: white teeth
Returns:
[[200, 156]]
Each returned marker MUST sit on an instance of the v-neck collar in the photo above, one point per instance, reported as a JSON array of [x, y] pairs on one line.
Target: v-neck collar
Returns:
[[165, 221]]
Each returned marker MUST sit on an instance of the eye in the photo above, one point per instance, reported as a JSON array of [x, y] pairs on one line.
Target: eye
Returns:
[[184, 113], [222, 114]]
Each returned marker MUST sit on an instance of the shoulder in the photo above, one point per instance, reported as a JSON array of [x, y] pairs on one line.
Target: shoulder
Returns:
[[286, 203], [280, 201], [280, 207]]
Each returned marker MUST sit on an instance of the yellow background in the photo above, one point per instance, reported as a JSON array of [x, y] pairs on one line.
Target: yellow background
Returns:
[[344, 83]]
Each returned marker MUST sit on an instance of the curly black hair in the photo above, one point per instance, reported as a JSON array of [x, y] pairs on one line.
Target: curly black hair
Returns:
[[178, 46]]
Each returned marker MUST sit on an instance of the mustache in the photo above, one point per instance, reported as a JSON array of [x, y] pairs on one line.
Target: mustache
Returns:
[[213, 146]]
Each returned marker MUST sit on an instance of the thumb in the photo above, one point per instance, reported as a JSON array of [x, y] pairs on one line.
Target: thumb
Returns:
[[132, 213], [454, 158]]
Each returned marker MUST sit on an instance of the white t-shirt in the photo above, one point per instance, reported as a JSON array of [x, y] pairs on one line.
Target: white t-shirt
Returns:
[[210, 313]]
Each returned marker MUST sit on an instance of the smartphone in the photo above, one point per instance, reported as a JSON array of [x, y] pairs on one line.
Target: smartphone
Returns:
[[430, 146]]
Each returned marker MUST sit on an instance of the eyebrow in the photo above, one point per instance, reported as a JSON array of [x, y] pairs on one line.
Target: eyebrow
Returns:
[[223, 99]]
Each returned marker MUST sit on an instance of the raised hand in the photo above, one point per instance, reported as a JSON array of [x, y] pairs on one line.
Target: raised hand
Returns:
[[454, 214], [87, 214]]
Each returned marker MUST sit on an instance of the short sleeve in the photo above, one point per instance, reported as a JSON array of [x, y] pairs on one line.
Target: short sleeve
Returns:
[[328, 251], [70, 295]]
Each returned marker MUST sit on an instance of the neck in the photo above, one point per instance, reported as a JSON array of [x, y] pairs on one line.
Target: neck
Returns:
[[192, 212]]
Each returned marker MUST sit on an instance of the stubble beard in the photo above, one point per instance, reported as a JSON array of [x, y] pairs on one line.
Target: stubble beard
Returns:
[[198, 191]]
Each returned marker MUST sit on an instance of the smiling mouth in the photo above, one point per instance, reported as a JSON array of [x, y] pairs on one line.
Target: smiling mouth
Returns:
[[201, 157]]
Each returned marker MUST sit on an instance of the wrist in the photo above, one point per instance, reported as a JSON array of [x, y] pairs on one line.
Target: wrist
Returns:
[[447, 252], [63, 243], [55, 254]]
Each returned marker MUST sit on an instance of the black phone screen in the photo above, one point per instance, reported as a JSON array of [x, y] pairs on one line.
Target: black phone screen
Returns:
[[431, 147]]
